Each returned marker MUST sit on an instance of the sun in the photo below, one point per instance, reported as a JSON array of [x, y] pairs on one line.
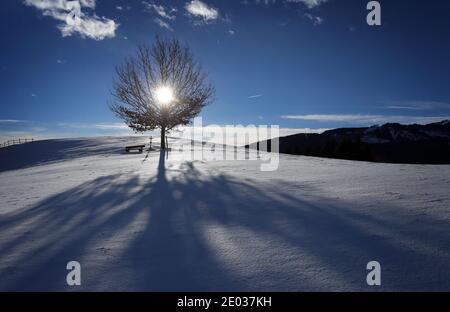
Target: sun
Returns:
[[164, 95]]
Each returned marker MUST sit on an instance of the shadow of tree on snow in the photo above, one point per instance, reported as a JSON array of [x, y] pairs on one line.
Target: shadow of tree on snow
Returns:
[[187, 231]]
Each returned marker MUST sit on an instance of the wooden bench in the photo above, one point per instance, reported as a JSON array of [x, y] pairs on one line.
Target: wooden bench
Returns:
[[139, 148]]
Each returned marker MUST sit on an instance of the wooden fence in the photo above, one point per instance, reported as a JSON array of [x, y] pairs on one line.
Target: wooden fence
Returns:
[[15, 141]]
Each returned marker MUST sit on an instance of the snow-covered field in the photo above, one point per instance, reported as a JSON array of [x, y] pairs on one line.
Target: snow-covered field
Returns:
[[145, 222]]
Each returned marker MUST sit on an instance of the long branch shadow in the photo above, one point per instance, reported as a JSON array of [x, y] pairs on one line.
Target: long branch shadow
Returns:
[[57, 150], [186, 230]]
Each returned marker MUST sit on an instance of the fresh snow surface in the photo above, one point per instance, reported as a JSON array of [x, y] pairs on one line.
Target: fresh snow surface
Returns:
[[144, 222]]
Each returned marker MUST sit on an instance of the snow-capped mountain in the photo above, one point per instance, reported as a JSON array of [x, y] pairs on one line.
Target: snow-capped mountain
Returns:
[[392, 142]]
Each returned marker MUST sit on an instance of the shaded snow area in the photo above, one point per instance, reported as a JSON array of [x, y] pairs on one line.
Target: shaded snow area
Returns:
[[152, 223]]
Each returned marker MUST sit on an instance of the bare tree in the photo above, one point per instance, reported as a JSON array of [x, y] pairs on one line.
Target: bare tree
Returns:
[[160, 88]]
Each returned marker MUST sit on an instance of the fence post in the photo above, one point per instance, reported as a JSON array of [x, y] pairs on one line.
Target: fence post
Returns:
[[14, 142]]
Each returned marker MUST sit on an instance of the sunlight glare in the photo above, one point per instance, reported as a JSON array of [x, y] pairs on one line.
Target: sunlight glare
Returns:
[[164, 95]]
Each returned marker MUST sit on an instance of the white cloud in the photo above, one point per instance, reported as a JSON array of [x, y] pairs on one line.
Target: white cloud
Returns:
[[291, 131], [165, 14], [316, 20], [161, 10], [5, 121], [14, 135], [227, 19], [255, 96], [239, 135], [19, 129], [330, 117], [111, 126], [231, 32], [121, 8], [266, 2], [200, 9], [162, 23], [367, 119], [98, 126], [309, 3], [32, 129], [73, 20], [417, 105]]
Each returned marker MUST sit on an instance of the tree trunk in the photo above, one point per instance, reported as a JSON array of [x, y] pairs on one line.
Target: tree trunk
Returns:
[[163, 138]]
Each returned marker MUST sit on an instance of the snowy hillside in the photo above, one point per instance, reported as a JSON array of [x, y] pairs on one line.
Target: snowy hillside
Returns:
[[145, 222]]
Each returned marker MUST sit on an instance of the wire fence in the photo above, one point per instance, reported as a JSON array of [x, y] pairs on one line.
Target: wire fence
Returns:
[[15, 142]]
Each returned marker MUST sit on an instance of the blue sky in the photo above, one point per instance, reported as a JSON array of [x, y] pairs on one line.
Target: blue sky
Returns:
[[294, 63]]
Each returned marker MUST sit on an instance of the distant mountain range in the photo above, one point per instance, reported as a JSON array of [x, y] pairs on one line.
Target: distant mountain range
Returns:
[[391, 143]]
